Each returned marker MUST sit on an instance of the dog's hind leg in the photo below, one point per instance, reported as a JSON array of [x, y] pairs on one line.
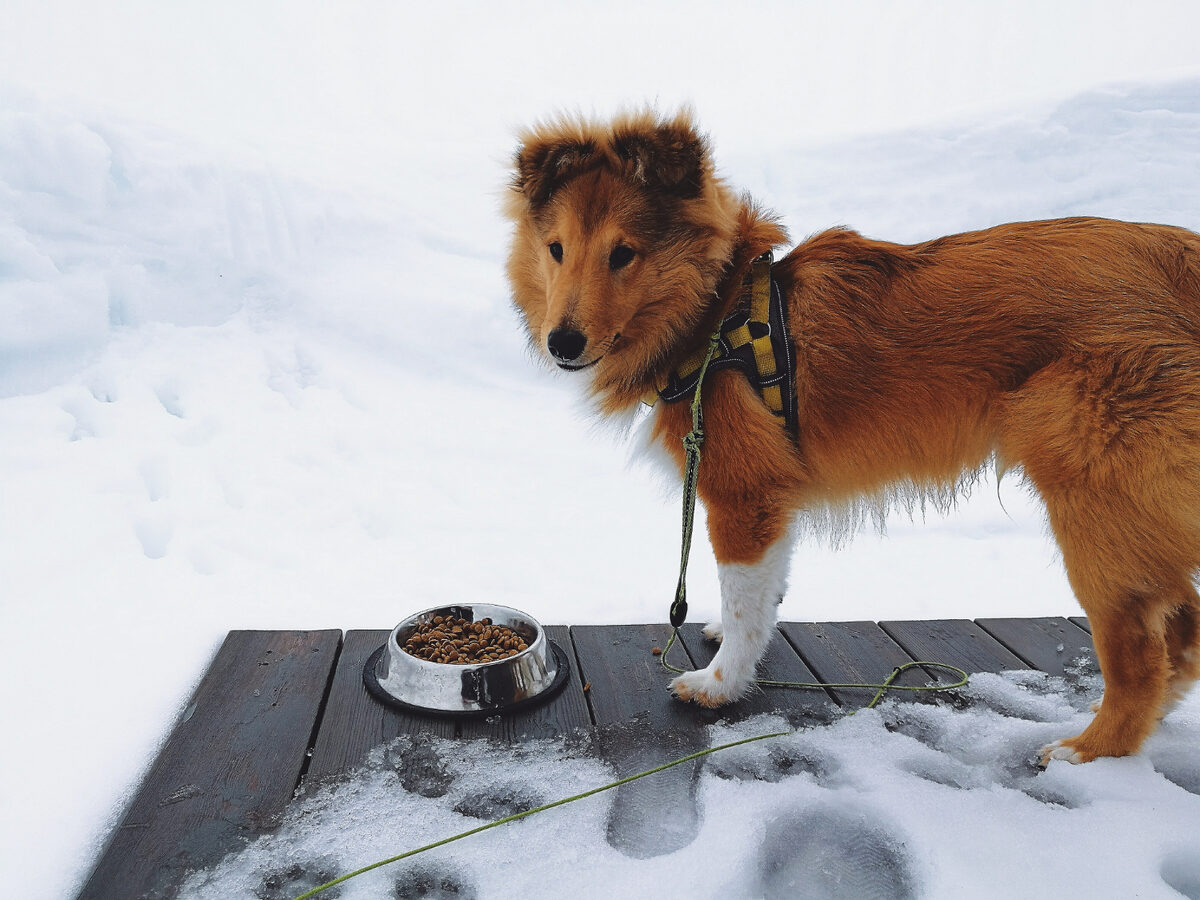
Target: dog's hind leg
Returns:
[[750, 595], [1183, 646], [1112, 443], [1142, 616], [1183, 650], [1133, 660]]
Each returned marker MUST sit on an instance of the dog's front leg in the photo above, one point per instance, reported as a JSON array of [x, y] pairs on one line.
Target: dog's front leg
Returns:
[[750, 595]]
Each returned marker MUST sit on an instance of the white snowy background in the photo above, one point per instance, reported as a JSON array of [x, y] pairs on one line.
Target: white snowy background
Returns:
[[258, 367]]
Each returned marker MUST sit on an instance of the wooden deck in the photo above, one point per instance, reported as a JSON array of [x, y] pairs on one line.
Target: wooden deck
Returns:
[[281, 708]]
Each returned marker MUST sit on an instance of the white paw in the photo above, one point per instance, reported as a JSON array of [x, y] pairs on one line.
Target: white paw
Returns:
[[714, 631], [1060, 750], [708, 687]]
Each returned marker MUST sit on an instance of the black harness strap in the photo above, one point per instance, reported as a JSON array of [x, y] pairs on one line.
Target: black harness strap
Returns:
[[755, 339]]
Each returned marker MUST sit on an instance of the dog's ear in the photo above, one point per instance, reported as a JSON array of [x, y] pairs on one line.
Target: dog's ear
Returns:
[[543, 166], [667, 156]]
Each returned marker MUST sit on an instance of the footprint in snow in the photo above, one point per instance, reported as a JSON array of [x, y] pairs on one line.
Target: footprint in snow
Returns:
[[83, 414], [920, 722], [155, 477], [1181, 870], [653, 816], [833, 853], [1035, 789], [103, 391], [168, 396], [1015, 772], [154, 531], [771, 764], [1176, 761], [499, 801], [297, 878], [420, 766], [946, 771], [433, 882]]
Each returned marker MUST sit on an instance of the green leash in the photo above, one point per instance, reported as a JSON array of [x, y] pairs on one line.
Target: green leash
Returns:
[[888, 684], [692, 443]]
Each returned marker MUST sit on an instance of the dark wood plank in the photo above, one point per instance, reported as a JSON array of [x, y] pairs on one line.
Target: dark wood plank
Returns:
[[955, 642], [1049, 643], [852, 652], [628, 683], [354, 722], [228, 769], [780, 663], [1082, 622]]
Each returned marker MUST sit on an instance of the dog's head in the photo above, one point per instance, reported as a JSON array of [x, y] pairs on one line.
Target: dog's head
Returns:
[[621, 233]]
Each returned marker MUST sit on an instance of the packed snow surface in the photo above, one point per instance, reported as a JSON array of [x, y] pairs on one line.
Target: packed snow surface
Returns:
[[242, 393], [906, 800]]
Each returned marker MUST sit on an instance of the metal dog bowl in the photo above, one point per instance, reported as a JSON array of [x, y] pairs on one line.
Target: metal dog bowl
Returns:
[[397, 678]]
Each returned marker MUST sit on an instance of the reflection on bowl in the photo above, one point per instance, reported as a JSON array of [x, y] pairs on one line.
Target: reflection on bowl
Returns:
[[474, 687]]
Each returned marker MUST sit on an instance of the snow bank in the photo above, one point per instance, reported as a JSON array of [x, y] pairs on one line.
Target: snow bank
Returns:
[[109, 227]]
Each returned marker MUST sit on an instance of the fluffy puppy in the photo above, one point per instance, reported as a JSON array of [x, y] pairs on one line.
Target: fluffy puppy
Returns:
[[1067, 348]]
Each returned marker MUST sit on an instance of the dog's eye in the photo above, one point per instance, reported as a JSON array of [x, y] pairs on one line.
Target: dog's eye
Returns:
[[556, 251], [620, 257]]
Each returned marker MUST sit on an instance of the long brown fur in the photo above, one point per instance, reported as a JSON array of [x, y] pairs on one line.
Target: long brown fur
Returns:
[[1069, 349]]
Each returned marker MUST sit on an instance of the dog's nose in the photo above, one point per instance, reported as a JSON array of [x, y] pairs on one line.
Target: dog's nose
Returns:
[[566, 344]]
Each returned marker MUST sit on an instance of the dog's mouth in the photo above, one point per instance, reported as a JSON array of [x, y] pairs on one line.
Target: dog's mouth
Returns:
[[571, 367], [605, 349]]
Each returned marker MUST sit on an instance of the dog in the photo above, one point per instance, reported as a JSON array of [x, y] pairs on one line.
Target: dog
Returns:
[[1066, 349]]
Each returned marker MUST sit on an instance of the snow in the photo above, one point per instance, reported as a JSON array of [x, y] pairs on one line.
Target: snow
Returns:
[[258, 370], [906, 800]]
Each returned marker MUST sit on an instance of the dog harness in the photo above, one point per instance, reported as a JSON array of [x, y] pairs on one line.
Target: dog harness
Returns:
[[753, 338]]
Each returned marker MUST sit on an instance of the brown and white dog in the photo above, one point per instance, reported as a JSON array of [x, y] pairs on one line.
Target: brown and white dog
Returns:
[[1068, 348]]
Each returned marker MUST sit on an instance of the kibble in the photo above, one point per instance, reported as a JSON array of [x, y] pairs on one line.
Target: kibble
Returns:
[[459, 642]]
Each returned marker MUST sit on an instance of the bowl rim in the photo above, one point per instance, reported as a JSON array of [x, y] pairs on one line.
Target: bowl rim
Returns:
[[540, 639]]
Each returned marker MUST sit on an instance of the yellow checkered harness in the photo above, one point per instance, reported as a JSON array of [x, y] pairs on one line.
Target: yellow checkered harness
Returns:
[[755, 339]]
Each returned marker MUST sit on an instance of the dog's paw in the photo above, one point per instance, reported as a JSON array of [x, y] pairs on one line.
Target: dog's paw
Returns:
[[1095, 705], [1066, 750], [707, 687], [714, 631]]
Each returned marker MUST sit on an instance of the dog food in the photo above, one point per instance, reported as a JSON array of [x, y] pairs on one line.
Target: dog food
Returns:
[[458, 642]]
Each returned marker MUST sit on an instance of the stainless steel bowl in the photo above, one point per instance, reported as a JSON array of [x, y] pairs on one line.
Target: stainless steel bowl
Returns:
[[419, 685]]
